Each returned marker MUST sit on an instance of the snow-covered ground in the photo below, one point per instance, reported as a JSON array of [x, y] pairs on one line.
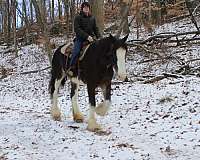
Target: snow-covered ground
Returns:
[[146, 121]]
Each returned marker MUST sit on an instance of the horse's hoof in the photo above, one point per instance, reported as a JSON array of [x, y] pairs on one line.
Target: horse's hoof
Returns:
[[94, 129], [102, 109], [78, 118], [93, 126], [57, 118], [56, 115]]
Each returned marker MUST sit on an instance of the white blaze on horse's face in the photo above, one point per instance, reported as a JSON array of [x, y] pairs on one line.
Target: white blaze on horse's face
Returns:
[[120, 53]]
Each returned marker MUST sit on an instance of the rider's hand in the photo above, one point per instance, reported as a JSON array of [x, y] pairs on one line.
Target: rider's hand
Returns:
[[90, 39]]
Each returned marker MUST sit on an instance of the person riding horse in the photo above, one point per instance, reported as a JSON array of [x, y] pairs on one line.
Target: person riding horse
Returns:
[[86, 29]]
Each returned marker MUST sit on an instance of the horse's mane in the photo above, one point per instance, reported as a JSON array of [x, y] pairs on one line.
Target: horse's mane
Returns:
[[104, 45]]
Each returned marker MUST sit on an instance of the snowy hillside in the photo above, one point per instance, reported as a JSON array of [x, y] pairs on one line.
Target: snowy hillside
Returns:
[[157, 121]]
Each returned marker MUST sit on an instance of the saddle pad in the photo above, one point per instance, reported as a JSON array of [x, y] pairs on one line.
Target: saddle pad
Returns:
[[83, 51], [67, 48]]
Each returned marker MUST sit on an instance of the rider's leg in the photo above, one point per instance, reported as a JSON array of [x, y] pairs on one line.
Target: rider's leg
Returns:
[[75, 53]]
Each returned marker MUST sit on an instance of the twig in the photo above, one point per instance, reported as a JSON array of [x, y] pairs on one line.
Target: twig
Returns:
[[145, 49], [160, 77], [35, 71]]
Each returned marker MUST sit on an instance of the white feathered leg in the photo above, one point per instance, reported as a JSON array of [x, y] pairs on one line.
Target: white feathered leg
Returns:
[[103, 107], [92, 123], [55, 111]]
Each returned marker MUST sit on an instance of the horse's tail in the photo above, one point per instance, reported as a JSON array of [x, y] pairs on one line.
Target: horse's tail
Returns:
[[58, 66], [52, 83]]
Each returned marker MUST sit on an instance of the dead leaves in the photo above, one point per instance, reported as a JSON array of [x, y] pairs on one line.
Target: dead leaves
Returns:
[[125, 145]]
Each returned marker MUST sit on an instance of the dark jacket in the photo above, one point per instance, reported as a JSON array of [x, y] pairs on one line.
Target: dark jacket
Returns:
[[85, 26]]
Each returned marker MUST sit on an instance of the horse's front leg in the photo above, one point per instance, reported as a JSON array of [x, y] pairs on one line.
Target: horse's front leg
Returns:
[[92, 123], [103, 107], [77, 115]]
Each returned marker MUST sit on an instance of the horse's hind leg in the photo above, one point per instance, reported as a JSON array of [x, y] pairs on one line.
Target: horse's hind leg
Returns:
[[77, 115], [55, 111], [103, 107]]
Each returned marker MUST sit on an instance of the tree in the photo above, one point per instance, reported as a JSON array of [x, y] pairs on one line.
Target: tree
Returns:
[[52, 11], [13, 4], [31, 10], [1, 18], [7, 19], [124, 19], [72, 10], [123, 7], [66, 13], [97, 7], [25, 19], [59, 9], [41, 21]]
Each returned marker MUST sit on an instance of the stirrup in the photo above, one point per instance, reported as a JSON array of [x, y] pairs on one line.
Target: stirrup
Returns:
[[70, 73]]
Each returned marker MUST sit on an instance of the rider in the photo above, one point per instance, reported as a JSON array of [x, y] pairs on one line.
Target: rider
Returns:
[[85, 28]]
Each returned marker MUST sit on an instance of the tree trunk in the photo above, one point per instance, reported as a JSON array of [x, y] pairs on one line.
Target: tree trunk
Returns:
[[43, 26], [4, 21], [42, 9], [124, 16], [52, 11], [137, 22], [72, 9], [97, 7], [123, 7], [8, 23], [31, 10], [13, 3], [66, 14], [26, 23], [49, 12], [1, 18], [59, 9], [191, 14]]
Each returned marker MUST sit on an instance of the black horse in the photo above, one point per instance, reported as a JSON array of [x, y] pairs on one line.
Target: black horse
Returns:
[[96, 69]]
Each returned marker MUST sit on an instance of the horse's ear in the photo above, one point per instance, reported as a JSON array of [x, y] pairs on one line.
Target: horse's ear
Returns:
[[112, 37], [125, 38]]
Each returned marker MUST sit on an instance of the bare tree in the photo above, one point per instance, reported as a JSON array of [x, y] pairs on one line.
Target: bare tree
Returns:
[[31, 12], [124, 18], [7, 23], [13, 4], [123, 7], [191, 15], [66, 13], [52, 11], [25, 18], [98, 12], [41, 21], [59, 9], [72, 11], [1, 18]]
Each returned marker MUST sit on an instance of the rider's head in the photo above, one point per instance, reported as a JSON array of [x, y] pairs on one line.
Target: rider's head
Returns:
[[85, 7]]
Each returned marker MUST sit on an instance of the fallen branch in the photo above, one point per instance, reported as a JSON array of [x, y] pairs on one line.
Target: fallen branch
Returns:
[[160, 77], [166, 36], [187, 2], [155, 59], [146, 49], [35, 71]]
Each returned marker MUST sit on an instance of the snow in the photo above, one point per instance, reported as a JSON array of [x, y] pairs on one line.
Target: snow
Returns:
[[146, 121]]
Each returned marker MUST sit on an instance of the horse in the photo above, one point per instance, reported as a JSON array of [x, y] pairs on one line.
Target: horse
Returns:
[[102, 59]]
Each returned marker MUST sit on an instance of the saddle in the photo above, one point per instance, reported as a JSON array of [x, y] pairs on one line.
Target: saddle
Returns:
[[67, 49]]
